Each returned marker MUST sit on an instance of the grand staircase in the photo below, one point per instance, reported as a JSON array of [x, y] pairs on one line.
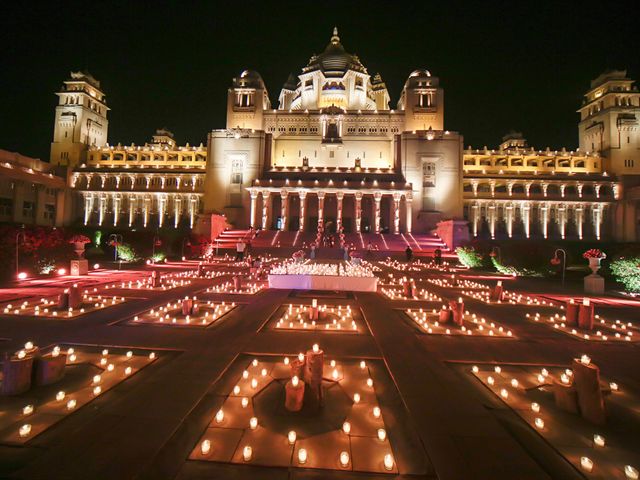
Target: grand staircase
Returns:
[[286, 242]]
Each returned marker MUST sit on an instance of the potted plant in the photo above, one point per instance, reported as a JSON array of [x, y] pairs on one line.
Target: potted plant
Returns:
[[594, 256], [79, 241]]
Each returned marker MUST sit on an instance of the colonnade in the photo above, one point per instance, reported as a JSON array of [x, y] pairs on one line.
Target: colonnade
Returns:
[[116, 208], [285, 194], [544, 213]]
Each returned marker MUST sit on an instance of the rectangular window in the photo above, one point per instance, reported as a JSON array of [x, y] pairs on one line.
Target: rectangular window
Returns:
[[28, 209], [237, 167], [332, 154], [429, 174], [6, 207], [49, 212]]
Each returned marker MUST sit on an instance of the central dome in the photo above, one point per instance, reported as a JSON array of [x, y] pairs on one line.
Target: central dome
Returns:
[[335, 59]]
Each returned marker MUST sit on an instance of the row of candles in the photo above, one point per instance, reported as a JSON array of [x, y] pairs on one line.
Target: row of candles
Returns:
[[71, 403], [420, 317], [49, 305], [559, 322], [227, 287], [343, 269], [599, 441]]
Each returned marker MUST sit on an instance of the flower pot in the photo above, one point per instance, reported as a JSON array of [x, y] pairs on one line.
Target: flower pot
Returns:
[[78, 248], [594, 264]]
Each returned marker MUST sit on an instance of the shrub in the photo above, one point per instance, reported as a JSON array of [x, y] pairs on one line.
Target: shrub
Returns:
[[627, 272], [126, 253], [469, 257], [158, 257]]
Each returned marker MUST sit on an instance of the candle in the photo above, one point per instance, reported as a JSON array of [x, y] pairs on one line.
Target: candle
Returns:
[[236, 390], [97, 390], [22, 354], [344, 459], [28, 346], [598, 440], [346, 427], [27, 410], [286, 360], [586, 302], [564, 378], [514, 383], [129, 354], [376, 412], [314, 303], [586, 463], [613, 386], [369, 382], [388, 461], [301, 357], [246, 453], [497, 369], [539, 423], [363, 364], [263, 372], [475, 369], [302, 455], [334, 374], [630, 472], [291, 436], [490, 380], [245, 374], [535, 407], [60, 396], [356, 398], [25, 430], [295, 380], [504, 394], [105, 352], [205, 447], [253, 423], [585, 360], [71, 404], [245, 402], [382, 434], [220, 416], [316, 348], [254, 383]]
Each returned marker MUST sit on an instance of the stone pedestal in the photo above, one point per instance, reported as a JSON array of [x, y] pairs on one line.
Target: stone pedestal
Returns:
[[200, 271], [445, 315], [408, 288], [586, 317], [79, 267], [457, 312], [454, 280], [237, 282], [572, 313], [187, 306], [594, 284], [313, 370], [565, 397], [75, 297], [49, 369], [156, 279], [586, 381], [497, 293], [294, 396], [63, 300], [16, 374]]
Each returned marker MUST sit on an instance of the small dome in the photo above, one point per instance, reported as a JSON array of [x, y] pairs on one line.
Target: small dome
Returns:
[[248, 79], [420, 73], [335, 59]]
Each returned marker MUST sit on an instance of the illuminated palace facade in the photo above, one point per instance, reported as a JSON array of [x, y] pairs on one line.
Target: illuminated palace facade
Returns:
[[333, 150]]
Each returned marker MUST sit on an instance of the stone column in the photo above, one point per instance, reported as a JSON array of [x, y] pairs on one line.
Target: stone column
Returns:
[[162, 205], [396, 213], [408, 201], [339, 197], [321, 207], [526, 219], [284, 210], [358, 212], [147, 203], [102, 208], [116, 200], [579, 216], [265, 208], [132, 208], [177, 210], [562, 220], [476, 217], [303, 200], [510, 220], [544, 214], [252, 215], [597, 220], [492, 221], [377, 197], [88, 207]]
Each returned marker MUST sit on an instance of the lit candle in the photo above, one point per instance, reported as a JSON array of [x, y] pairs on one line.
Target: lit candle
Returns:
[[539, 423], [376, 412], [129, 354], [344, 459], [71, 404], [301, 357], [382, 434], [302, 455], [585, 360], [586, 463], [97, 378], [254, 383], [363, 364], [356, 398], [28, 346], [535, 407], [236, 390], [564, 378], [369, 382], [598, 440], [291, 437], [504, 394], [295, 380], [105, 352], [334, 374], [475, 369], [245, 374], [27, 410], [253, 423], [388, 461], [490, 380], [316, 348], [630, 472], [246, 453], [514, 383], [613, 386], [497, 369], [346, 427], [245, 402], [22, 354], [60, 396], [220, 416], [97, 390], [286, 360], [25, 430]]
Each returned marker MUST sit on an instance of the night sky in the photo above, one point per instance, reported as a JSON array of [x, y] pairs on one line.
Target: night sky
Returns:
[[512, 65]]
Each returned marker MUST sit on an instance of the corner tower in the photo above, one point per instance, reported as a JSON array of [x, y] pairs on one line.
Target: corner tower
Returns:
[[247, 99], [422, 101], [80, 120], [610, 122]]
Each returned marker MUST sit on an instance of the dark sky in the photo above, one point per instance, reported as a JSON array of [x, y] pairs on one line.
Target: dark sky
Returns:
[[504, 65]]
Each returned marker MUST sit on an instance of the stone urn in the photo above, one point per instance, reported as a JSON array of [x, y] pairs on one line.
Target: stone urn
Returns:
[[78, 248], [594, 264]]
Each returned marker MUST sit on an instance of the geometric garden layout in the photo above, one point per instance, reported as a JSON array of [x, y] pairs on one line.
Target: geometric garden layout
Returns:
[[292, 382]]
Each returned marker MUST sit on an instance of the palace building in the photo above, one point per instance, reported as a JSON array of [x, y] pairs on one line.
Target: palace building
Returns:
[[335, 150]]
